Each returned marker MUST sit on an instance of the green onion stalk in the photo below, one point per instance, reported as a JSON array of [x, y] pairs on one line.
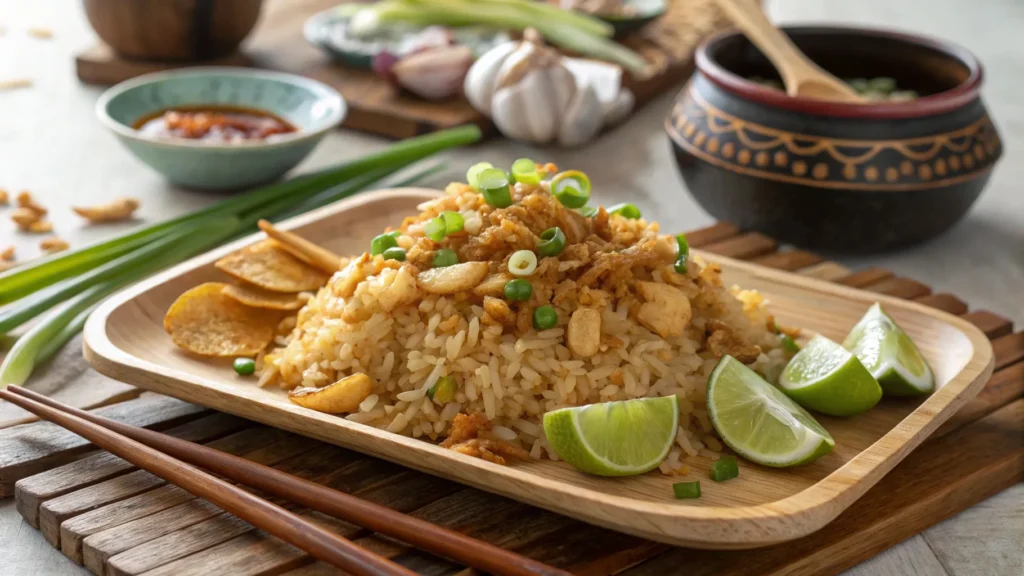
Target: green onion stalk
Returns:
[[81, 279], [567, 29], [44, 340], [24, 280], [85, 291]]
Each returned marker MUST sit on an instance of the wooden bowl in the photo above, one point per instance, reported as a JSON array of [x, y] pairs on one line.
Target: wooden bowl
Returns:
[[175, 30], [824, 175]]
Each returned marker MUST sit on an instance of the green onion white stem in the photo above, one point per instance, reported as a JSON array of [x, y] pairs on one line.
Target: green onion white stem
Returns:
[[35, 343]]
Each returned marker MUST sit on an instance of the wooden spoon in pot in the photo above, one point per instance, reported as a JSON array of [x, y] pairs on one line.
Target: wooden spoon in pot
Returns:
[[801, 76]]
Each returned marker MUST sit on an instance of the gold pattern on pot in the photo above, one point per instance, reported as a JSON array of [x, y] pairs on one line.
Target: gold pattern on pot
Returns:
[[753, 149]]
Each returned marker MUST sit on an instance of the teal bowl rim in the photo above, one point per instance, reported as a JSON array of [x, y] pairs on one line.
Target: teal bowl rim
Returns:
[[339, 108]]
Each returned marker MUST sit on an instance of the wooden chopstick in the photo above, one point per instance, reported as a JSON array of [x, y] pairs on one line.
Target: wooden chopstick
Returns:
[[318, 542], [300, 247], [420, 533]]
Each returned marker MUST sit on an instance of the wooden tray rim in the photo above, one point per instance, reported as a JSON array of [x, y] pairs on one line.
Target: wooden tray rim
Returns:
[[710, 527]]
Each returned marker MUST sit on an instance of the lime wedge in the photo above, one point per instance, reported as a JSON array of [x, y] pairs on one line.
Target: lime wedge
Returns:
[[614, 438], [826, 377], [759, 422], [889, 354]]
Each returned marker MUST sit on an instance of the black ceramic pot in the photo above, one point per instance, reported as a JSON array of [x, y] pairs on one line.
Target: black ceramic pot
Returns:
[[834, 176]]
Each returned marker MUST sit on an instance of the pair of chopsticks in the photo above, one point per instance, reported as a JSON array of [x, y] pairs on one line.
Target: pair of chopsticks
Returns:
[[170, 458]]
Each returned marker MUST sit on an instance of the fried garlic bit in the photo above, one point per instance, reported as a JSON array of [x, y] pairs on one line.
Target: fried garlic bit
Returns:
[[7, 254], [464, 438], [5, 198], [53, 244], [40, 32], [120, 209]]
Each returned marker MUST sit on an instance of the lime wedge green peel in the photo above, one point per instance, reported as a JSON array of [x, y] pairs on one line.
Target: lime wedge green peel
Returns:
[[826, 377], [890, 355], [759, 422], [614, 438]]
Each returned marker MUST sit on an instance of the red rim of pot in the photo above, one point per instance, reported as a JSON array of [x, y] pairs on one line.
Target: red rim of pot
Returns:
[[940, 103]]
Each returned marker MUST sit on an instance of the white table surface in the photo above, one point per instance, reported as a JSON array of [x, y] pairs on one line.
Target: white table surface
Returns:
[[51, 145]]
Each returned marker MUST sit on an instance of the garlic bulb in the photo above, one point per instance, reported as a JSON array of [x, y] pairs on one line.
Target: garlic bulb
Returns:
[[535, 94]]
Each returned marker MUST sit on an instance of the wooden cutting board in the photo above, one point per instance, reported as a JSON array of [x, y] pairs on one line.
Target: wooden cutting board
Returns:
[[374, 106], [117, 520]]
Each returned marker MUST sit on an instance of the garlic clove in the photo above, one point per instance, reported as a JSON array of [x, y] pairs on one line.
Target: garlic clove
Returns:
[[617, 111], [480, 80], [605, 78], [529, 110], [530, 54], [582, 119], [434, 74]]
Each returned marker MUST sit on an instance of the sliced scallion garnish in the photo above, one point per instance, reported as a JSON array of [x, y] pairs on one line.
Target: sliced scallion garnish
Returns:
[[493, 185], [522, 263], [724, 469], [789, 345], [684, 253], [525, 170], [572, 188], [473, 174], [453, 222], [589, 211], [435, 229], [552, 242], [625, 210]]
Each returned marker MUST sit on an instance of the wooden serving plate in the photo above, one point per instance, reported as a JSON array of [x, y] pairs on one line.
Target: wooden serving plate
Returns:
[[125, 339]]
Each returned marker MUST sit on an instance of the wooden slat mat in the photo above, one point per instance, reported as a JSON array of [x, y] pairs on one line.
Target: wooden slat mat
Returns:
[[117, 520]]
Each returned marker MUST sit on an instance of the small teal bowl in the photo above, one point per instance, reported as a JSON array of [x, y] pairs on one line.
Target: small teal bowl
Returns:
[[312, 107]]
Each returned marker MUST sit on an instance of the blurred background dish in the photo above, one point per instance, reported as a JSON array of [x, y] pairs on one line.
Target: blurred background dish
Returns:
[[177, 30], [311, 107], [836, 176], [625, 15]]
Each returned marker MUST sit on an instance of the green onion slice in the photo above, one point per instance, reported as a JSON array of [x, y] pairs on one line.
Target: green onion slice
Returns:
[[589, 211], [552, 242], [625, 210], [435, 229], [525, 170], [789, 345], [443, 391], [724, 469], [686, 490], [684, 253], [473, 174], [522, 263], [494, 186], [572, 188], [453, 222]]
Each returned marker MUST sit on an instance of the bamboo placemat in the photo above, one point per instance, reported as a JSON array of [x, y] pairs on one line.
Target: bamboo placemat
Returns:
[[117, 520]]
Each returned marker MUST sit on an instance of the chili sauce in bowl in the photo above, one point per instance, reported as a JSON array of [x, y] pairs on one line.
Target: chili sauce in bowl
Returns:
[[214, 124], [221, 128]]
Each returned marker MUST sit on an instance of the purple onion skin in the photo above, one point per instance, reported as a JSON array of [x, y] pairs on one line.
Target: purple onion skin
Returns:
[[382, 66]]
